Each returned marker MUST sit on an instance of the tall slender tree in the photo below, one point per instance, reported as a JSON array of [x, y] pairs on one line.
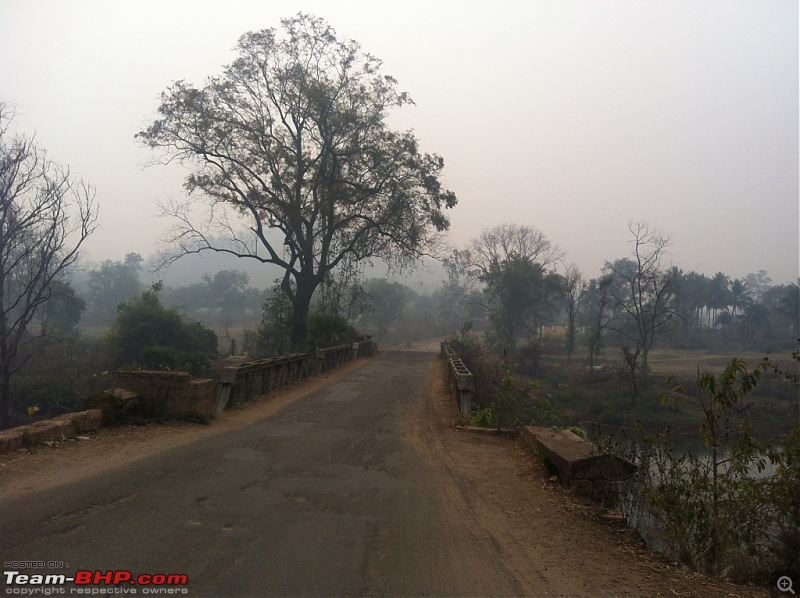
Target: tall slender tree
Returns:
[[574, 290], [645, 295]]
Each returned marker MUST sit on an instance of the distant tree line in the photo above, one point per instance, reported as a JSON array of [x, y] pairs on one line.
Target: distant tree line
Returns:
[[512, 283]]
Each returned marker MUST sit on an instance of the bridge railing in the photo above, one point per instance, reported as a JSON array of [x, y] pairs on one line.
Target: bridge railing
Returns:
[[460, 381], [247, 380]]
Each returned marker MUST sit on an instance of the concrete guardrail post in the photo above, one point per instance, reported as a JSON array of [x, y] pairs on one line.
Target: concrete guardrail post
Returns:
[[466, 384]]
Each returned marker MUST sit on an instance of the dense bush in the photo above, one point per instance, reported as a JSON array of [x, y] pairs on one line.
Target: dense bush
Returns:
[[329, 330], [147, 334]]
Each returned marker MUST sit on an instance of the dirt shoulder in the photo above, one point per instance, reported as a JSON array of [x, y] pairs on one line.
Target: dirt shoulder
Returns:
[[546, 534]]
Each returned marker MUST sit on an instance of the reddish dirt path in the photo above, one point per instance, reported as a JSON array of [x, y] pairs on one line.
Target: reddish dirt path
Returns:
[[547, 536]]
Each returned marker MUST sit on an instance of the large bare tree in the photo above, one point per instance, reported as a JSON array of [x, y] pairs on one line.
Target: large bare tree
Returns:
[[293, 136], [45, 216], [645, 295]]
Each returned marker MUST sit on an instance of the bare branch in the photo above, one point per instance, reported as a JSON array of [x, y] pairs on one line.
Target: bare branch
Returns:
[[45, 216]]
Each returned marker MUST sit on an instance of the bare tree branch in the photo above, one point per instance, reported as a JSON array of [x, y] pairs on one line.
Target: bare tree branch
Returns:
[[45, 216]]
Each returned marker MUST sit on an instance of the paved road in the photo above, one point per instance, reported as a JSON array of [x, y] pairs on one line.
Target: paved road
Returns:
[[332, 495]]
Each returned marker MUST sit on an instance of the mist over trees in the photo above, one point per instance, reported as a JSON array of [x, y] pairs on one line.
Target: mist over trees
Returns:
[[520, 306], [108, 284], [147, 334], [644, 296], [510, 283]]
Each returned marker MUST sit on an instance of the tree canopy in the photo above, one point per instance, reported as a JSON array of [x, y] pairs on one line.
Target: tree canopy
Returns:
[[522, 293], [293, 136], [509, 241]]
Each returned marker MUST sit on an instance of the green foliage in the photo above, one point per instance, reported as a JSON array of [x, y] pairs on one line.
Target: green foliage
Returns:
[[342, 291], [482, 418], [487, 374], [273, 336], [110, 283], [784, 493], [329, 330], [508, 400], [223, 299], [522, 294], [148, 334], [594, 342], [577, 431], [62, 312], [732, 510], [458, 301], [47, 388]]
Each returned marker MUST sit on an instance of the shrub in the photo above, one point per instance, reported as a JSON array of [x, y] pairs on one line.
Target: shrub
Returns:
[[150, 335], [719, 511], [329, 330]]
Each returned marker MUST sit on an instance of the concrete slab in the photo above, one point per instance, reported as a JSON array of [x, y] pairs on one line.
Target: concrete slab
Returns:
[[575, 458], [68, 425]]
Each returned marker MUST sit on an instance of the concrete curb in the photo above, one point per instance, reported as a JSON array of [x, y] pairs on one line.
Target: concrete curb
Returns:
[[507, 432], [63, 426]]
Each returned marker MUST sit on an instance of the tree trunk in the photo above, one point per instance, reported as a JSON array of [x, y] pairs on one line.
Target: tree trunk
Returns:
[[299, 324], [301, 303], [645, 368], [5, 375], [5, 398], [632, 361]]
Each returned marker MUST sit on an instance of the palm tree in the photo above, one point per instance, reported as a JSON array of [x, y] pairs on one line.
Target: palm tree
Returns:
[[719, 297], [740, 295]]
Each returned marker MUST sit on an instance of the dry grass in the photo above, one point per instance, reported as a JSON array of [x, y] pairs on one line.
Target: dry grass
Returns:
[[684, 362]]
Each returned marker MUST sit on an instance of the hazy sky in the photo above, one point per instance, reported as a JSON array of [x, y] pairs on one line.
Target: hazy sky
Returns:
[[572, 117]]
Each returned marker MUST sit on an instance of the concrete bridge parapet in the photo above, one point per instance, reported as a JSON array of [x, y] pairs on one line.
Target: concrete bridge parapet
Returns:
[[460, 380]]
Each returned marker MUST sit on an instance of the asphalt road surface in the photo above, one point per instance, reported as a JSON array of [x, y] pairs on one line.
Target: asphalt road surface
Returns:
[[326, 497]]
